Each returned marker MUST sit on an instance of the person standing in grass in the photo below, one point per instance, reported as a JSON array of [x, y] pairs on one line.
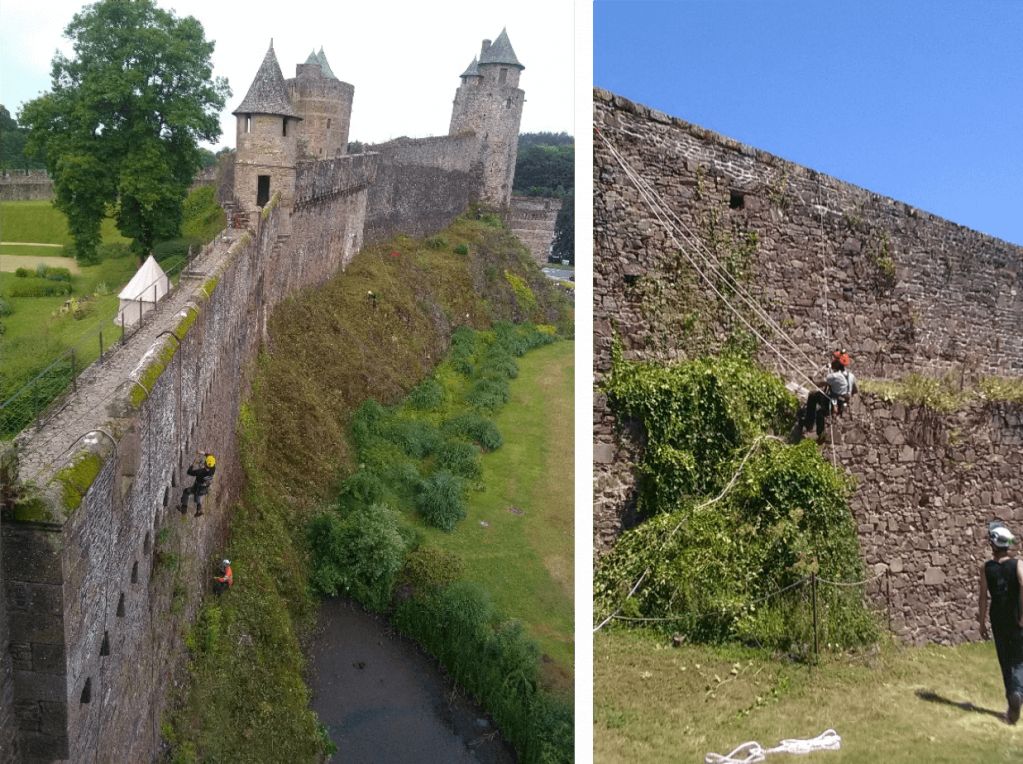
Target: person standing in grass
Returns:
[[1001, 582]]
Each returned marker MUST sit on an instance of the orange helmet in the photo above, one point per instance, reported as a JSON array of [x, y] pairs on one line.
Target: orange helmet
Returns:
[[842, 356]]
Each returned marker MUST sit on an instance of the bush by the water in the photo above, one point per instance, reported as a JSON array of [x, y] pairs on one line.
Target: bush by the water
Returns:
[[440, 500], [712, 563], [496, 662], [359, 552]]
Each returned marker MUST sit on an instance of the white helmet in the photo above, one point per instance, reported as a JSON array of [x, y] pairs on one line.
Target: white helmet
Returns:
[[225, 563], [1000, 536]]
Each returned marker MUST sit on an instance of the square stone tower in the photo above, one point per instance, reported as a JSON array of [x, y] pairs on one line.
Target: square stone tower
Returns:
[[489, 103]]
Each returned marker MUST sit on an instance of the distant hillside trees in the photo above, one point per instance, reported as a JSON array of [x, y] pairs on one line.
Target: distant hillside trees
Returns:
[[546, 167], [12, 145], [121, 126]]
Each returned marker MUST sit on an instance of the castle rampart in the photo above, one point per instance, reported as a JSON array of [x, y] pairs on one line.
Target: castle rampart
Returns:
[[834, 265], [533, 220]]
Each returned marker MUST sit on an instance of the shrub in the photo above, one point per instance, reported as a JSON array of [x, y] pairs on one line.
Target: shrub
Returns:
[[436, 242], [440, 500], [488, 394], [175, 250], [429, 568], [460, 458], [428, 394], [368, 422], [41, 270], [37, 287], [363, 488], [415, 438], [58, 274], [22, 272], [6, 308], [476, 428], [497, 363], [496, 662], [461, 249], [360, 553], [113, 251]]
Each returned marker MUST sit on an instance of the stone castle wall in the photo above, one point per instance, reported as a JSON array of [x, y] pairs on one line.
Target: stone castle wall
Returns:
[[25, 188], [532, 219], [833, 264], [422, 185]]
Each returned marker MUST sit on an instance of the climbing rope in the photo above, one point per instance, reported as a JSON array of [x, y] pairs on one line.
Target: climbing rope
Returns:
[[752, 752], [674, 225]]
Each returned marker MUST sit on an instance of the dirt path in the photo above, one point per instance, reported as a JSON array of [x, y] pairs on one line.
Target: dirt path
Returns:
[[383, 700], [29, 244]]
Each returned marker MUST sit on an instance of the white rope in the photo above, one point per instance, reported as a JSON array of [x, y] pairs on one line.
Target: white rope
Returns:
[[664, 215], [705, 252], [752, 752]]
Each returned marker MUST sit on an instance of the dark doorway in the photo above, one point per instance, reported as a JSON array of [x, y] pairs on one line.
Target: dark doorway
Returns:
[[262, 190]]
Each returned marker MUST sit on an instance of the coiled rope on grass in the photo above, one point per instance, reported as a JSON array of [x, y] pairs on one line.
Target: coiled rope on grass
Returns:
[[752, 752]]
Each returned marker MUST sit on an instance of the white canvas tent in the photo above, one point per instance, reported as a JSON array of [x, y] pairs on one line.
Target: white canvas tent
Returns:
[[147, 287]]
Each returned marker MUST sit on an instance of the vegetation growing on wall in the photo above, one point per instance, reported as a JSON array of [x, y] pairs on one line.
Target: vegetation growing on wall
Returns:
[[715, 549], [246, 699]]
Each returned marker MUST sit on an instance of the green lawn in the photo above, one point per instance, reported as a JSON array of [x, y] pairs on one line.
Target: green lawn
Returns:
[[28, 250], [42, 223], [525, 560], [36, 333], [654, 703]]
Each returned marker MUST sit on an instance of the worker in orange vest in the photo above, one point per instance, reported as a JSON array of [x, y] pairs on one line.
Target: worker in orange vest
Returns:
[[225, 580]]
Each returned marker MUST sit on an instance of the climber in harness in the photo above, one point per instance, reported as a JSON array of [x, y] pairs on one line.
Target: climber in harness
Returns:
[[1001, 582], [836, 391], [202, 470], [225, 580]]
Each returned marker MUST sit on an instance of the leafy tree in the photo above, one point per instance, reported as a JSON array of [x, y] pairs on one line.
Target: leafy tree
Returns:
[[12, 144], [564, 231], [545, 139], [542, 170], [121, 126]]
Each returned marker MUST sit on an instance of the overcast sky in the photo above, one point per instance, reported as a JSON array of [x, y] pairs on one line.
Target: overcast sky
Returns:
[[403, 58]]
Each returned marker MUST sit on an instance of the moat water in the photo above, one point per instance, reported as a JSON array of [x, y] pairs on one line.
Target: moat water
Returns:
[[383, 700]]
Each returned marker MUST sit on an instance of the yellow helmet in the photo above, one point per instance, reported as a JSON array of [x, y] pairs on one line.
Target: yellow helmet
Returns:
[[211, 461]]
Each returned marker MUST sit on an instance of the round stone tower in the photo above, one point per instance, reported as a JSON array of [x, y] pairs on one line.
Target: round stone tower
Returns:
[[325, 105], [489, 103], [266, 141]]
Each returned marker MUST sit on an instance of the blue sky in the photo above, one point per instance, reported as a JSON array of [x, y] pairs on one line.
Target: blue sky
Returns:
[[921, 101]]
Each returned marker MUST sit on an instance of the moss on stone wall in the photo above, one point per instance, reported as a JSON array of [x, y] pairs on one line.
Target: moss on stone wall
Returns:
[[76, 479]]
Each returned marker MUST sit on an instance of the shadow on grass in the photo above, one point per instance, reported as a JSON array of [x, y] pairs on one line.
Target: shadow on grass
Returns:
[[964, 705]]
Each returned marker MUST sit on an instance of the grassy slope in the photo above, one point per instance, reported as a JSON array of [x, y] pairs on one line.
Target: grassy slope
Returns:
[[42, 223], [330, 351], [525, 561], [654, 703]]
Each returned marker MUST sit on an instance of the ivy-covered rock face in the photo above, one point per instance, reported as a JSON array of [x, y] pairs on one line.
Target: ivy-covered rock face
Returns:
[[713, 554]]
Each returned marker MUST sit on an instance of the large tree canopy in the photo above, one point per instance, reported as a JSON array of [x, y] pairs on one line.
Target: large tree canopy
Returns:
[[545, 164], [121, 126]]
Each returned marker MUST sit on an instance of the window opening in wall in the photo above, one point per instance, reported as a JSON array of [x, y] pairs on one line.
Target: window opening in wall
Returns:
[[262, 190], [502, 77], [507, 104], [135, 572], [248, 124], [120, 606], [328, 123], [147, 543], [284, 129], [166, 495], [736, 200], [87, 691], [104, 648]]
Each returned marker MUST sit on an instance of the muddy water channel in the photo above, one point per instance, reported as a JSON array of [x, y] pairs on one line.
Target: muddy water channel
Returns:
[[383, 700]]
